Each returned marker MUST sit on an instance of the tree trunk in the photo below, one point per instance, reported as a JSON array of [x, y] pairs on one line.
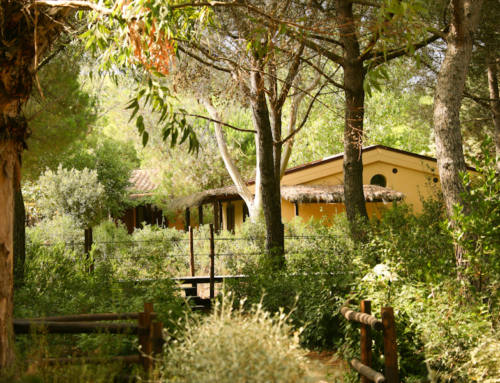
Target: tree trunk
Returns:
[[271, 198], [19, 236], [494, 105], [447, 103], [229, 163], [354, 115], [9, 172]]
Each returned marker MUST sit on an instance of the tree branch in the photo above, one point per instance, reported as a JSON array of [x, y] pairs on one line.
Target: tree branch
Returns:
[[74, 4], [204, 62], [322, 73], [304, 120], [292, 72], [382, 57], [217, 122]]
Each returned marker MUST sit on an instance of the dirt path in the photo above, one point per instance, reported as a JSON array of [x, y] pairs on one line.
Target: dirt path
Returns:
[[325, 367]]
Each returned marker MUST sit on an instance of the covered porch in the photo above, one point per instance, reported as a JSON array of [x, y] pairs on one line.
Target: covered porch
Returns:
[[305, 201]]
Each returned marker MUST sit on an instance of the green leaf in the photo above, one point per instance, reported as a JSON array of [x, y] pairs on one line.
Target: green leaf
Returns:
[[140, 124]]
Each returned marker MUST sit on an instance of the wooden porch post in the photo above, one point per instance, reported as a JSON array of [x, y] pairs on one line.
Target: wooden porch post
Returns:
[[221, 220], [216, 216], [200, 214], [187, 219]]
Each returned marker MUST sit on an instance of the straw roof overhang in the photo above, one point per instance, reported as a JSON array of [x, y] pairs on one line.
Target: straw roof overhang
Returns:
[[335, 193], [204, 197], [296, 193]]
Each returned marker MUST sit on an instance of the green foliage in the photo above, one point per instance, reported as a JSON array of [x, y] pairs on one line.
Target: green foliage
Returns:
[[60, 118], [77, 193], [233, 345], [123, 45], [316, 278], [59, 229], [57, 282], [477, 227], [113, 161], [417, 246]]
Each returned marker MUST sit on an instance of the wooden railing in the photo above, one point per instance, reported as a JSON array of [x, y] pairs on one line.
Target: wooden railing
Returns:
[[149, 331], [387, 326]]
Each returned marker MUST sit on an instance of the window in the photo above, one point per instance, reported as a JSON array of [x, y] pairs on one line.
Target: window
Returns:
[[378, 179]]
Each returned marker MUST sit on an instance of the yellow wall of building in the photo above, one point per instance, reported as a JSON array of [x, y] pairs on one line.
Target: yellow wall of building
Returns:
[[415, 178], [326, 211]]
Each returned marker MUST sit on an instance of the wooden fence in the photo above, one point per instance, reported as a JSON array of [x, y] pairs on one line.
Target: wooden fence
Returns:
[[387, 326], [148, 330], [212, 259]]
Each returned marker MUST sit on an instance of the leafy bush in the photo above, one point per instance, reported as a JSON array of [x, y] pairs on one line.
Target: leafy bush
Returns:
[[316, 278], [113, 161], [59, 229], [477, 228], [233, 346], [77, 193], [57, 283]]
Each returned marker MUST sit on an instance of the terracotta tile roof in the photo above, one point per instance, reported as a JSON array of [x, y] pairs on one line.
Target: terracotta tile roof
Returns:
[[143, 182]]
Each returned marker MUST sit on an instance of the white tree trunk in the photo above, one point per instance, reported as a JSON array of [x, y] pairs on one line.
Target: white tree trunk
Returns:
[[254, 204]]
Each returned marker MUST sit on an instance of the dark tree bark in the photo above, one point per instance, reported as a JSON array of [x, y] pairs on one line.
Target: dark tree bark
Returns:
[[354, 116], [494, 105], [447, 102], [271, 198], [18, 63], [19, 236]]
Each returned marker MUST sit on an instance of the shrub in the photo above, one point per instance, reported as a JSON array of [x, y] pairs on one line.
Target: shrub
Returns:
[[77, 193], [57, 283], [477, 228], [436, 329], [236, 346], [315, 280], [60, 229]]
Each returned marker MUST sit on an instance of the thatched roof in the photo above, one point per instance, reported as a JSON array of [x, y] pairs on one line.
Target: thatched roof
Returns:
[[297, 193], [206, 196], [335, 193]]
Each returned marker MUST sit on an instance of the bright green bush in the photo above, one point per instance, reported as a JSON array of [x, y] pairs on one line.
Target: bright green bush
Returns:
[[232, 345]]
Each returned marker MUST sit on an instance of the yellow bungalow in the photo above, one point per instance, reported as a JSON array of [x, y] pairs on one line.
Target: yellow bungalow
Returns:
[[315, 190]]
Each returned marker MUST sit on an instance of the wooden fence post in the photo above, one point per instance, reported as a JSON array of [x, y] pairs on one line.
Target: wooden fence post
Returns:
[[88, 246], [157, 340], [212, 262], [145, 336], [366, 339], [390, 346], [191, 251]]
